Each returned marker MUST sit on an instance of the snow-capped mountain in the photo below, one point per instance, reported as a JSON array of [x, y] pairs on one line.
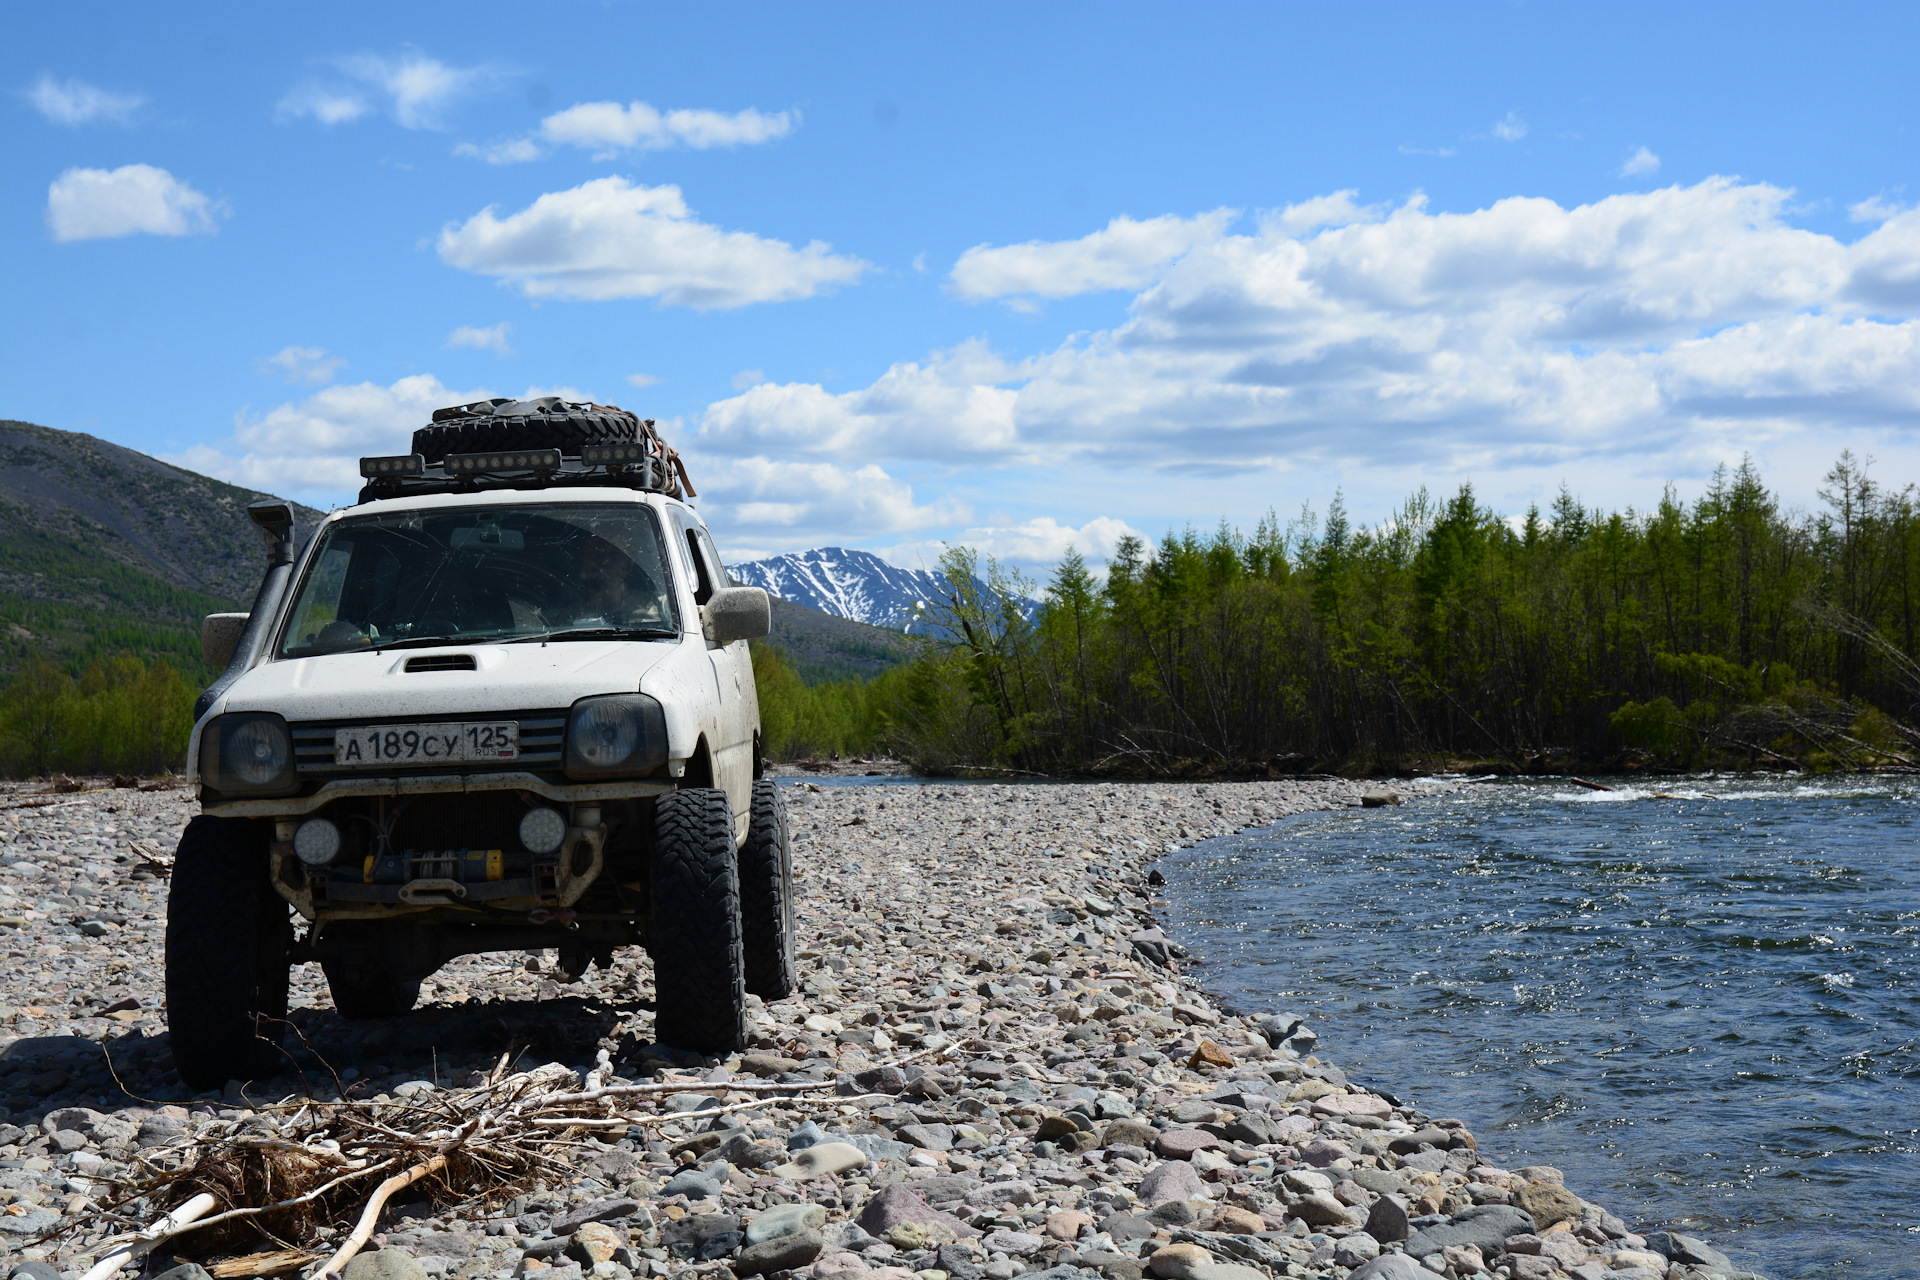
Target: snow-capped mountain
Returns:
[[847, 584]]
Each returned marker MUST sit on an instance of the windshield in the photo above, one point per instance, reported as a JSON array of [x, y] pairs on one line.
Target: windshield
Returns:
[[476, 574]]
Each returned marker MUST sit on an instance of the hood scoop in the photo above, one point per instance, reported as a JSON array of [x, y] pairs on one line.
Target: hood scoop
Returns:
[[442, 662]]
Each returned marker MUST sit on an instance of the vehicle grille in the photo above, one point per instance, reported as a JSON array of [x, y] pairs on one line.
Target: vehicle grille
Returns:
[[542, 736]]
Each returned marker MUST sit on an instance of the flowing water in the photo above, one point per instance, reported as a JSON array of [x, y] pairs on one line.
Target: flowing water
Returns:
[[1703, 1004]]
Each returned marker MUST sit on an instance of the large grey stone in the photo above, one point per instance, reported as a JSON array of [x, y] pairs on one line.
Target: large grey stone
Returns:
[[1392, 1266], [900, 1203], [785, 1220], [1387, 1220], [1485, 1226], [782, 1253], [598, 1211], [1174, 1180], [384, 1264], [697, 1184], [1690, 1250], [932, 1137]]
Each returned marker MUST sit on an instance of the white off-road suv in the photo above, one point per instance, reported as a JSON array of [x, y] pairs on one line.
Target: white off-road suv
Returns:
[[504, 703]]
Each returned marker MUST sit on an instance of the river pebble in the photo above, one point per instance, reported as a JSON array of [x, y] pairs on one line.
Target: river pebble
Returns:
[[1027, 1076]]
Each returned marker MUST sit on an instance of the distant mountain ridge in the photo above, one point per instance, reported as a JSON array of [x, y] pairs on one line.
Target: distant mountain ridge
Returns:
[[847, 584]]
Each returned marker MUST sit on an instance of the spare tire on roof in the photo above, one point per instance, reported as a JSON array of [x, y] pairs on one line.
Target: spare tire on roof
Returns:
[[546, 423]]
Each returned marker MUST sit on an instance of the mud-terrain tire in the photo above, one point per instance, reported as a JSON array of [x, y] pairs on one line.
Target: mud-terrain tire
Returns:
[[766, 897], [562, 428], [228, 939], [362, 989], [699, 971]]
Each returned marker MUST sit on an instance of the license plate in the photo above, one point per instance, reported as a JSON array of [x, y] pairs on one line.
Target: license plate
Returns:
[[367, 746]]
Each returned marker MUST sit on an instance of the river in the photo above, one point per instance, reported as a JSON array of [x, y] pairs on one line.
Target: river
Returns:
[[1702, 1005]]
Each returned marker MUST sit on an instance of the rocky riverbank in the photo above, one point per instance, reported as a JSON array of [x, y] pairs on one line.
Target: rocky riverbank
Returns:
[[998, 1067]]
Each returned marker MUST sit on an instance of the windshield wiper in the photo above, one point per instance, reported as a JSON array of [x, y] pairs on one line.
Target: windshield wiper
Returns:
[[599, 633], [421, 642]]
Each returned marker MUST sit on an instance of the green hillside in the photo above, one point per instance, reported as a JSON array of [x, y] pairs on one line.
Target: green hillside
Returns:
[[104, 550]]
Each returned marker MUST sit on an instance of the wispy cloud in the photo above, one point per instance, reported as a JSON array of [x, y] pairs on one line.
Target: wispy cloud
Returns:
[[1875, 209], [643, 380], [416, 90], [1442, 152], [609, 129], [311, 366], [1126, 254], [1641, 163], [74, 102], [1510, 128], [492, 338], [104, 204], [610, 239]]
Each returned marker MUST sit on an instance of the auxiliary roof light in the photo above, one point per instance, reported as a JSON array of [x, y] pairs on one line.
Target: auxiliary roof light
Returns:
[[612, 455], [406, 464], [511, 460]]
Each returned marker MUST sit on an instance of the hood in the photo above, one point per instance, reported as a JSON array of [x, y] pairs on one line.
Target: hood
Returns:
[[507, 677]]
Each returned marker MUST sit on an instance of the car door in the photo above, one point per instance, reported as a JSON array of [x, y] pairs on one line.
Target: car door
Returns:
[[737, 715]]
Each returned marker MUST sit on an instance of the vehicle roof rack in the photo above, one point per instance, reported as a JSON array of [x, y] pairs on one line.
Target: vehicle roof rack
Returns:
[[646, 462]]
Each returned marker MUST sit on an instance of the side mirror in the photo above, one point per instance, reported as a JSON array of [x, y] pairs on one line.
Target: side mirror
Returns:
[[219, 636], [738, 613]]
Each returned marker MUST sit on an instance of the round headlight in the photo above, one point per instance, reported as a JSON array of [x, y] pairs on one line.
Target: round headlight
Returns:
[[604, 733], [317, 842], [258, 752], [542, 830]]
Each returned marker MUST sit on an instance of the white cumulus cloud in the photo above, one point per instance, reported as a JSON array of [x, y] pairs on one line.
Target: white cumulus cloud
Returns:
[[1126, 254], [761, 506], [609, 238], [309, 365], [492, 338], [1640, 163], [1660, 331], [75, 102], [416, 90], [102, 204], [312, 449]]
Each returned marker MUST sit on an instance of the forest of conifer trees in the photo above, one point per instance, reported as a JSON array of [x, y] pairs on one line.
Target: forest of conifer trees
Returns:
[[1728, 632]]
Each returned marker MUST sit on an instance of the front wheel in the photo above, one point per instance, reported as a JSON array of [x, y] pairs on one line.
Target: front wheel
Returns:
[[699, 972], [766, 897], [228, 939]]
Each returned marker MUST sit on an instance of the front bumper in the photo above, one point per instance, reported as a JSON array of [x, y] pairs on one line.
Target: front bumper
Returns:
[[432, 784]]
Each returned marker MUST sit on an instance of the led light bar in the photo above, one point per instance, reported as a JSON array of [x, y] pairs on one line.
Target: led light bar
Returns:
[[406, 464], [466, 464], [613, 455]]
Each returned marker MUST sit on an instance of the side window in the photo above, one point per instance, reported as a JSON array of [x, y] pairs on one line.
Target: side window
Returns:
[[696, 562], [714, 566]]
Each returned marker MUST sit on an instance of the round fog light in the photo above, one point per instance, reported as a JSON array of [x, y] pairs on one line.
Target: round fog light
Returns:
[[317, 842], [542, 830]]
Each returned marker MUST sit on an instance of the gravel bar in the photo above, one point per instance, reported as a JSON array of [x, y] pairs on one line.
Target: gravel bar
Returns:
[[1010, 1075]]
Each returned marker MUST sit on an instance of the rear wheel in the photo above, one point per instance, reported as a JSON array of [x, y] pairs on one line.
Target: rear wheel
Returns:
[[228, 938], [362, 989], [699, 972], [766, 897]]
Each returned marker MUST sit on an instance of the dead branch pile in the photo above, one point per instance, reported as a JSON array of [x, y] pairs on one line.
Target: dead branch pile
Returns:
[[294, 1175]]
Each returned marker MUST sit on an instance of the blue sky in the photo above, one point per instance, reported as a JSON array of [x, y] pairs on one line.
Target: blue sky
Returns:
[[1021, 276]]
